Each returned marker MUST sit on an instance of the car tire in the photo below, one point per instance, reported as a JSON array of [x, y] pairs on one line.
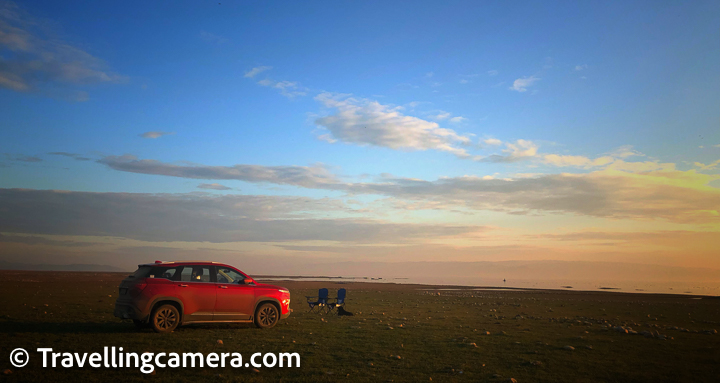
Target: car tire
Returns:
[[267, 316], [139, 325], [165, 318]]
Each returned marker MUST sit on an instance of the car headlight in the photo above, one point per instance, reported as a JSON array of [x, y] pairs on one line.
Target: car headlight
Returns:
[[284, 291]]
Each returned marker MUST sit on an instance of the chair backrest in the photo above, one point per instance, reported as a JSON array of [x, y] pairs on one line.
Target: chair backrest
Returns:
[[341, 296], [323, 295]]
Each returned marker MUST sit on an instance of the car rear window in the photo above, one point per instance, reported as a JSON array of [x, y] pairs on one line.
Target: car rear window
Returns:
[[170, 273], [142, 272]]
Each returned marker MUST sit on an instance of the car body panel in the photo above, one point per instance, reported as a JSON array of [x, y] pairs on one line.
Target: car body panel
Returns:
[[198, 299], [234, 301]]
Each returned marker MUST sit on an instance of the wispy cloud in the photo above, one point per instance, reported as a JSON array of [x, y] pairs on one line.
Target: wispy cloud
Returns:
[[612, 160], [513, 152], [522, 84], [441, 115], [581, 67], [212, 38], [156, 134], [287, 88], [468, 78], [256, 71], [710, 166], [640, 166], [311, 177], [35, 240], [492, 73], [576, 161], [625, 151], [367, 122], [74, 156], [37, 57], [548, 63], [21, 158], [213, 187], [492, 141]]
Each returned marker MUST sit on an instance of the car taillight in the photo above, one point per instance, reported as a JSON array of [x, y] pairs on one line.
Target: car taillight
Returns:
[[137, 288]]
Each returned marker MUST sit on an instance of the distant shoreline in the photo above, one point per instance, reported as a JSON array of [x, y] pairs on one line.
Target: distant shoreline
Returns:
[[454, 287], [420, 286]]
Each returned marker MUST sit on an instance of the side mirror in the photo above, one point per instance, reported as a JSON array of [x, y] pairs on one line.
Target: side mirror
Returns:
[[249, 281]]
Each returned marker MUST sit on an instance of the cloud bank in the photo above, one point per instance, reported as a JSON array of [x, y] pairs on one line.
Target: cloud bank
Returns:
[[643, 190], [198, 218]]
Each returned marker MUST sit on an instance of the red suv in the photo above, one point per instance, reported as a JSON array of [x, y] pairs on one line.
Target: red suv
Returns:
[[167, 294]]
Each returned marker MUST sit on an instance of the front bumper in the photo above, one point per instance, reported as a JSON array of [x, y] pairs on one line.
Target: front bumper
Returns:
[[284, 316]]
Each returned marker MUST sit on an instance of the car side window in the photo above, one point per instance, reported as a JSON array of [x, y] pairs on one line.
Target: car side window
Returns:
[[195, 274], [227, 275], [170, 273]]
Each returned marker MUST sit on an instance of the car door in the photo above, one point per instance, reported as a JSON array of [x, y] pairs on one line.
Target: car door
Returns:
[[235, 299], [197, 290]]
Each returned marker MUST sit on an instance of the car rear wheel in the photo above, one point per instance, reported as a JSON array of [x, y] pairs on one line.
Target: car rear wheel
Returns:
[[165, 318], [266, 316]]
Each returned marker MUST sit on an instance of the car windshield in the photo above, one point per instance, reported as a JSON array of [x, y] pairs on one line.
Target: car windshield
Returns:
[[226, 275]]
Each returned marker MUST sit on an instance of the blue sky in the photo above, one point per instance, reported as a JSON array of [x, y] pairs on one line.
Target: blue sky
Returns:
[[377, 93]]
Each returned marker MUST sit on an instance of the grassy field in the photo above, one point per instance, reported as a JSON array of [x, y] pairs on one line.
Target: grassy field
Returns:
[[458, 335]]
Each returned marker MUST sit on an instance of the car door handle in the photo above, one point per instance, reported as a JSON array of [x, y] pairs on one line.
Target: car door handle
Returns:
[[223, 287], [183, 285]]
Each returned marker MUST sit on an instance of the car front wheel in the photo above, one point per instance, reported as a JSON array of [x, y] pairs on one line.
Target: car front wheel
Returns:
[[165, 318], [266, 316]]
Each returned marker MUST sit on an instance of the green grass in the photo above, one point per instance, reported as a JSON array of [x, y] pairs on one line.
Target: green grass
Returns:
[[72, 312]]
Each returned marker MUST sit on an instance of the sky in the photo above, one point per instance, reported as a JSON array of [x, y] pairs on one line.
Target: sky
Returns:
[[279, 136]]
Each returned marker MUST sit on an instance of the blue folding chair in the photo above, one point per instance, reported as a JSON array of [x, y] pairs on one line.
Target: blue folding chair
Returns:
[[339, 301], [321, 302]]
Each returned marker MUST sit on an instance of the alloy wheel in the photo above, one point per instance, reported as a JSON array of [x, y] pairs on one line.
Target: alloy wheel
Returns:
[[268, 315], [165, 319]]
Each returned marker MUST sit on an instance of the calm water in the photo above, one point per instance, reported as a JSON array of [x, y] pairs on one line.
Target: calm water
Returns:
[[684, 288]]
